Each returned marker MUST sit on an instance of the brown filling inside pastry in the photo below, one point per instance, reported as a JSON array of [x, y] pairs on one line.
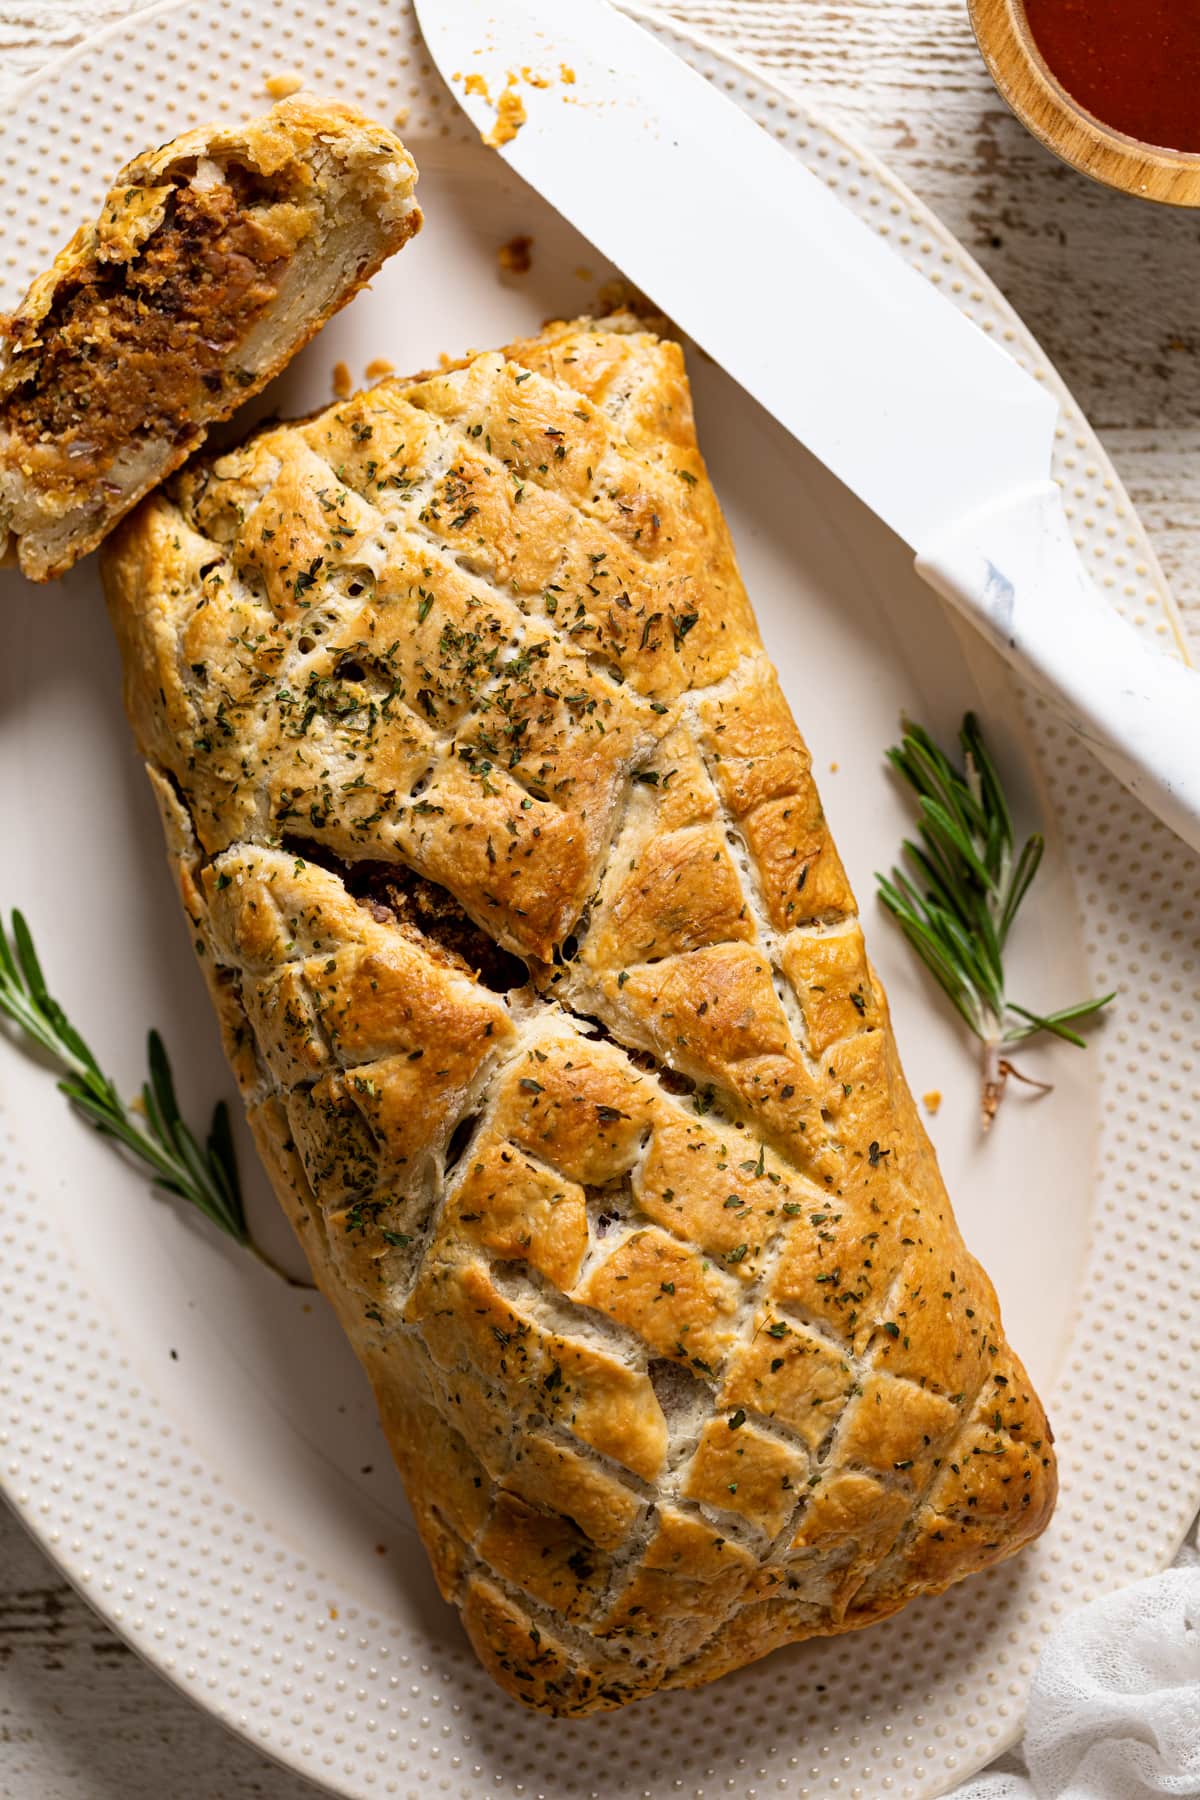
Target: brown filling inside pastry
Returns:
[[129, 348], [427, 914], [212, 260]]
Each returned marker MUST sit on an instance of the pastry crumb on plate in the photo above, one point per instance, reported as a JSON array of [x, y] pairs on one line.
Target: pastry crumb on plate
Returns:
[[515, 257], [283, 84]]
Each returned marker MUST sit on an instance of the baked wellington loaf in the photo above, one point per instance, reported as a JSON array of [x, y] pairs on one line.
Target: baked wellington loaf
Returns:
[[212, 262], [545, 989]]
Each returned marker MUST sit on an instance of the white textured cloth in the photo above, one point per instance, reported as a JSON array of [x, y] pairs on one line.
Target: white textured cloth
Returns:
[[1114, 1710]]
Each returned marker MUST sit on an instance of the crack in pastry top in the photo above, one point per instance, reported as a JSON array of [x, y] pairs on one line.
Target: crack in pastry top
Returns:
[[647, 1252]]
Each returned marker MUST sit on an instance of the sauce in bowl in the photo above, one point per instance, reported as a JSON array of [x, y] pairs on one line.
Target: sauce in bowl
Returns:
[[1134, 64]]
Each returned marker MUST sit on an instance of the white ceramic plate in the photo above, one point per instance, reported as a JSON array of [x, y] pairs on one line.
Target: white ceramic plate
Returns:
[[192, 1441]]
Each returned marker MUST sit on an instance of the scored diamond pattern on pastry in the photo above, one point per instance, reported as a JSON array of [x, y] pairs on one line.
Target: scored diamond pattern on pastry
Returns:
[[544, 985]]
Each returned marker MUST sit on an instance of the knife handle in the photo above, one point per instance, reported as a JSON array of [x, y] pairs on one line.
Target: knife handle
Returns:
[[1015, 573]]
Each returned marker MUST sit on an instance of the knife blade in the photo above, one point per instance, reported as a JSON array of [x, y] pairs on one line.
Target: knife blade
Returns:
[[913, 407]]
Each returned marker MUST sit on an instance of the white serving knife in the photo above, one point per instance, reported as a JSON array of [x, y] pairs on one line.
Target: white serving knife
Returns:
[[905, 400]]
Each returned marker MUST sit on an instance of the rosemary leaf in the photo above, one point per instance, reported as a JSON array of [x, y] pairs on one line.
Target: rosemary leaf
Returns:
[[203, 1175], [1056, 1022], [961, 900]]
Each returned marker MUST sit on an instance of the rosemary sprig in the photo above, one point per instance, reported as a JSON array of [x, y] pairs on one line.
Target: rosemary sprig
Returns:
[[961, 900], [205, 1175]]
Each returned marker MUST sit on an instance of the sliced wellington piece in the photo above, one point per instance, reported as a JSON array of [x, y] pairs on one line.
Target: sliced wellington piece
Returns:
[[212, 261], [544, 985]]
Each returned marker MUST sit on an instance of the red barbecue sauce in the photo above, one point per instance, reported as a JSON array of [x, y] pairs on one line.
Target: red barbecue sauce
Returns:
[[1135, 64]]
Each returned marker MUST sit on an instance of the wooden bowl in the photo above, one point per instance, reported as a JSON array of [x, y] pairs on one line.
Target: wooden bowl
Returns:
[[1043, 105]]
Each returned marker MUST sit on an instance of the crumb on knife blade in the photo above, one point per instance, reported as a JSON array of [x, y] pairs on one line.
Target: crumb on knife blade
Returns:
[[510, 116], [509, 105]]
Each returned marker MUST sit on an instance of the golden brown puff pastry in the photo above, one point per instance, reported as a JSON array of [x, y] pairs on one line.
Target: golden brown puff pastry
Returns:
[[213, 260], [544, 985]]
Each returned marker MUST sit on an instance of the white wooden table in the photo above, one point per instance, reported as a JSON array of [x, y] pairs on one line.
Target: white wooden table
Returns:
[[1106, 284]]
